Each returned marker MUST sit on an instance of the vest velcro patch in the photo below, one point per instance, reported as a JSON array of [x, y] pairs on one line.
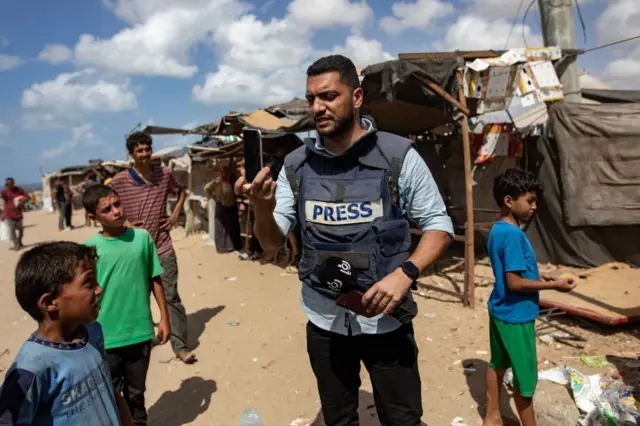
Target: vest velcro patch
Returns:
[[342, 213]]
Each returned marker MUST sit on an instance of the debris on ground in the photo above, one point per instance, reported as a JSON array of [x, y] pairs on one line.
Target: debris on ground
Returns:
[[230, 278], [233, 324], [594, 361], [458, 421], [300, 422]]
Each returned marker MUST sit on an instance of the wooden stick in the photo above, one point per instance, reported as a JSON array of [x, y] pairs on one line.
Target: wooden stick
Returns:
[[469, 273], [461, 105]]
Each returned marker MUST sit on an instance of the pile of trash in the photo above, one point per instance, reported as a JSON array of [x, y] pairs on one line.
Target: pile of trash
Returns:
[[602, 403]]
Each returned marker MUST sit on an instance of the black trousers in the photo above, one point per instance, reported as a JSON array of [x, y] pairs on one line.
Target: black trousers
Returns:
[[129, 366], [392, 362]]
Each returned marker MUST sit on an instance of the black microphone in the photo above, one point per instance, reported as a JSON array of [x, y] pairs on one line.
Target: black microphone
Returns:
[[338, 275]]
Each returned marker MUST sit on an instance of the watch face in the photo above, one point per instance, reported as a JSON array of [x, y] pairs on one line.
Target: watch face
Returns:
[[411, 270]]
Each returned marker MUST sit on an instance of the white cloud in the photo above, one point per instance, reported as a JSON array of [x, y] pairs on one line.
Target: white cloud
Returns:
[[507, 9], [251, 45], [40, 121], [80, 135], [8, 62], [416, 15], [81, 91], [234, 86], [620, 20], [4, 129], [330, 13], [55, 54], [162, 36], [476, 33], [362, 51]]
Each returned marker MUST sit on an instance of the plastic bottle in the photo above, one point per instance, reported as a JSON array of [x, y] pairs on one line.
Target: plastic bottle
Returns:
[[251, 417]]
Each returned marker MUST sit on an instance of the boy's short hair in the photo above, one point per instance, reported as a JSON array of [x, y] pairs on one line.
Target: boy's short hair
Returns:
[[336, 63], [138, 138], [515, 182], [94, 194], [45, 268]]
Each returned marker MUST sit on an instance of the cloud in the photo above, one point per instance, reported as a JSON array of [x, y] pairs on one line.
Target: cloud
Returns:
[[230, 85], [477, 33], [55, 54], [8, 62], [82, 91], [416, 15], [362, 51], [80, 135], [330, 13], [162, 37], [620, 20], [251, 45], [4, 129]]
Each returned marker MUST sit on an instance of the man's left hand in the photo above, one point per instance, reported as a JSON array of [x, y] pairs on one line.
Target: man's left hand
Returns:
[[164, 331], [169, 223], [385, 295]]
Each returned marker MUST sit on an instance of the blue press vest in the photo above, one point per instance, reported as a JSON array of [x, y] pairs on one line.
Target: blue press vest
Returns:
[[347, 208]]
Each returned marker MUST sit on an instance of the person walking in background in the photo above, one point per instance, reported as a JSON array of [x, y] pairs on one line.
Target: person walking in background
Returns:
[[227, 221], [513, 304], [64, 207], [144, 190], [89, 181], [14, 198]]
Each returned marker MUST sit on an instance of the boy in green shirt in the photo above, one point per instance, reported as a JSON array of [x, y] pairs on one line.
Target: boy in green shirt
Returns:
[[129, 270]]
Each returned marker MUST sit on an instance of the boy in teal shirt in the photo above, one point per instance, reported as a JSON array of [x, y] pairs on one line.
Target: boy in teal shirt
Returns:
[[128, 270], [513, 304]]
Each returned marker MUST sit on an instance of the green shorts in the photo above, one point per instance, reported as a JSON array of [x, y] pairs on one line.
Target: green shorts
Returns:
[[514, 345]]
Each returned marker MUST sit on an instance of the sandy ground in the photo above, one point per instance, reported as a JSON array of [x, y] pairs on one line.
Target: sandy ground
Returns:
[[247, 329]]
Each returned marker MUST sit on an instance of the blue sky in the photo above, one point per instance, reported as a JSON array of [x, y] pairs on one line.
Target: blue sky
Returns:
[[76, 75]]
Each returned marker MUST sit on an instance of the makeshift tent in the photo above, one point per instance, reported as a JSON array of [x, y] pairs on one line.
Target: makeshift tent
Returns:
[[589, 213]]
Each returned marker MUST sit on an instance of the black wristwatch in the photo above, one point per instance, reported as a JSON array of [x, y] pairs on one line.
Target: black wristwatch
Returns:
[[411, 270]]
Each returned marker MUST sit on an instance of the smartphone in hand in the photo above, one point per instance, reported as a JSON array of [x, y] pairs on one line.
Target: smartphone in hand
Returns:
[[253, 158]]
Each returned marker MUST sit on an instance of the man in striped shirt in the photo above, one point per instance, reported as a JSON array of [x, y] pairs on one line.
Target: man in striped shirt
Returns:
[[144, 189]]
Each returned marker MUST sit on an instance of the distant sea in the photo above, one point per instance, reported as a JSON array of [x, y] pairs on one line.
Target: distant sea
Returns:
[[30, 187]]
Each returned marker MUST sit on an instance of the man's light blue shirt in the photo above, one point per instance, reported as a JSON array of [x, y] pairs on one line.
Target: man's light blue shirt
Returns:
[[419, 200]]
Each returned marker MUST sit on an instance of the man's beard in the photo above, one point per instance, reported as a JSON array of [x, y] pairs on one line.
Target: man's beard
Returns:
[[342, 126]]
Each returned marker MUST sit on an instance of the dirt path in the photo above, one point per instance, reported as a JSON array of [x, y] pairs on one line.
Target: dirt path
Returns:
[[247, 329]]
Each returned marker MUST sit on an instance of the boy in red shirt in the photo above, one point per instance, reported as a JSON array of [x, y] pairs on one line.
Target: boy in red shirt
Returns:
[[14, 198]]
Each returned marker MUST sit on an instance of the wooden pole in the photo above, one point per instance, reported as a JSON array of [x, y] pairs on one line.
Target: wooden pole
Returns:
[[191, 217], [460, 104], [469, 254]]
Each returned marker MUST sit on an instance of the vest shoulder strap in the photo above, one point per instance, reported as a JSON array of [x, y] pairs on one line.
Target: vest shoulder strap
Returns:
[[394, 148], [292, 162]]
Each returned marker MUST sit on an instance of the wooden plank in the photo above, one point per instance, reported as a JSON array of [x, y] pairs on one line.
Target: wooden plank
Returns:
[[440, 91], [469, 253], [480, 54]]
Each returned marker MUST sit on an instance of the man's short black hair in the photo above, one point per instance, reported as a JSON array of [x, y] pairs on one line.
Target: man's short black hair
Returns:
[[94, 194], [10, 179], [45, 268], [336, 63], [138, 138], [515, 182]]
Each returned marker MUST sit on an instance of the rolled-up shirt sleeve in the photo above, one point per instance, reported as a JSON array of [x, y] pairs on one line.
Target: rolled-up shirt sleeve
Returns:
[[285, 211], [420, 198]]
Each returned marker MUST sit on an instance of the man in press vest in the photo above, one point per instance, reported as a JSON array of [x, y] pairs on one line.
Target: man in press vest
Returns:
[[354, 190]]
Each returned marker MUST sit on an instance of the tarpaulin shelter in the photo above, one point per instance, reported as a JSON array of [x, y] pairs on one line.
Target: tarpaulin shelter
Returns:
[[589, 213]]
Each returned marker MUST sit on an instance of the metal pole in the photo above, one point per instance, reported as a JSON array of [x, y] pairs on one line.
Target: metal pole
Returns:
[[558, 30]]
